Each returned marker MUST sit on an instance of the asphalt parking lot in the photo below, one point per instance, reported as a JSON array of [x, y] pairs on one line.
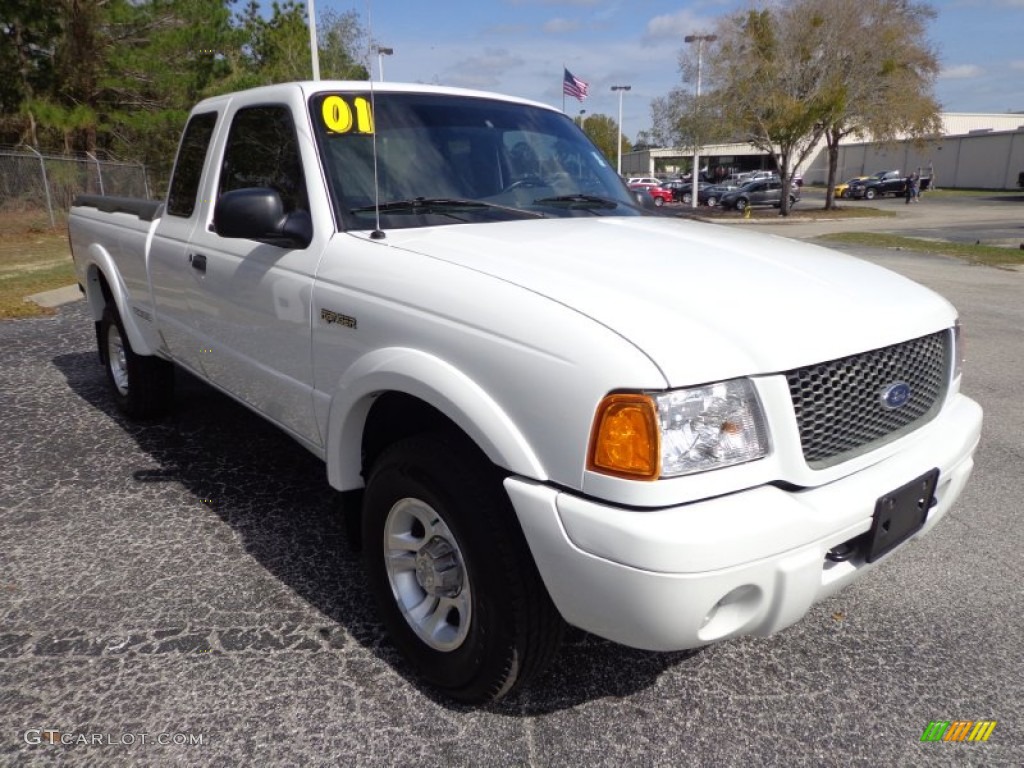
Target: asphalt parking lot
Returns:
[[183, 593]]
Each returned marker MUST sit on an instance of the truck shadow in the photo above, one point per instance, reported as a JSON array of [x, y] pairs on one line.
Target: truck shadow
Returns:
[[275, 497]]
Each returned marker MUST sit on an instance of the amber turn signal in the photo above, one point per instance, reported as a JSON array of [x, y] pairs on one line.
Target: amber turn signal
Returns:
[[625, 439]]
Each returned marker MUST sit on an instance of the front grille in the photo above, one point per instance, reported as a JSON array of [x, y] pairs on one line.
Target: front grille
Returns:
[[839, 405]]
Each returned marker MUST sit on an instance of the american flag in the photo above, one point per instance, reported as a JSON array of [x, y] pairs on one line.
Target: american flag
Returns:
[[573, 86]]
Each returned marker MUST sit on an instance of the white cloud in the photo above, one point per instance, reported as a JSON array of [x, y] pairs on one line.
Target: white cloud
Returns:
[[675, 26], [961, 72], [560, 26]]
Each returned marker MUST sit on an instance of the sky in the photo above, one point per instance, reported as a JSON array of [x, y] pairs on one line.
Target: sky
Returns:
[[519, 47]]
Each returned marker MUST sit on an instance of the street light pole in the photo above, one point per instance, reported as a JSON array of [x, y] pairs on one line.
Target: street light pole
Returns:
[[381, 53], [314, 50], [699, 40], [620, 89]]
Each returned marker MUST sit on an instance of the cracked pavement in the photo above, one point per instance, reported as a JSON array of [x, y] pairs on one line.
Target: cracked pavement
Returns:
[[192, 577]]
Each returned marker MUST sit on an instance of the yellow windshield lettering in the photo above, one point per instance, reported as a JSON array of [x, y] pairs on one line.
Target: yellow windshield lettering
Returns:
[[340, 116]]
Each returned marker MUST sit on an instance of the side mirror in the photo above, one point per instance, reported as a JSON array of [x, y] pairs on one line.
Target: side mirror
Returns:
[[257, 213]]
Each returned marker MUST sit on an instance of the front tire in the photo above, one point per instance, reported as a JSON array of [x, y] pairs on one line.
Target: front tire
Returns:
[[142, 385], [741, 204], [658, 202], [453, 578], [869, 194]]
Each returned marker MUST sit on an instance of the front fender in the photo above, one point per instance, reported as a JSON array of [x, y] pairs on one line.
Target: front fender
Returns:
[[434, 381]]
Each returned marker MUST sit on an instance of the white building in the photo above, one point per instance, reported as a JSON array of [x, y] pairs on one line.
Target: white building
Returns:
[[974, 150]]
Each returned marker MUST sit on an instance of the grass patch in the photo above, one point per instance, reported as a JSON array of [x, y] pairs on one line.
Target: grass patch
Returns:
[[979, 254], [33, 258], [800, 212]]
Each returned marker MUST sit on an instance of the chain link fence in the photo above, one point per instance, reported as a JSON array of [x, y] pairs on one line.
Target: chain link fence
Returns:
[[30, 180]]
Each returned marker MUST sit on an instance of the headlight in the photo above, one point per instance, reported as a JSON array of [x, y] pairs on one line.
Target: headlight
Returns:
[[668, 434]]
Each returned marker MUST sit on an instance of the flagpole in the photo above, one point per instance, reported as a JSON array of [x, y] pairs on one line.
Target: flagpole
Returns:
[[563, 87]]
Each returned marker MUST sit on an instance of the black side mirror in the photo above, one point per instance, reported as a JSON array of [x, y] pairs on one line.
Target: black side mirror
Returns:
[[257, 213]]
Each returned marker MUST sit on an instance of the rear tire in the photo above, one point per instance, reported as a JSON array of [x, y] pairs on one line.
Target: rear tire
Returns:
[[711, 201], [453, 578], [741, 204], [142, 385], [658, 202]]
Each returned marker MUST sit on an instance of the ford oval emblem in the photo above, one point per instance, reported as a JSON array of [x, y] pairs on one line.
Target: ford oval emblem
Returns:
[[896, 395]]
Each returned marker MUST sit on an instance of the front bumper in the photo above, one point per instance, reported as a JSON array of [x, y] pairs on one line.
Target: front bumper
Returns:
[[747, 563]]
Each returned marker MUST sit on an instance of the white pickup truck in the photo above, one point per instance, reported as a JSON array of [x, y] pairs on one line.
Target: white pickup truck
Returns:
[[551, 405]]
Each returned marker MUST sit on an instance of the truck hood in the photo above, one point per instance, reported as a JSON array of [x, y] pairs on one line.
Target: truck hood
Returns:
[[703, 301]]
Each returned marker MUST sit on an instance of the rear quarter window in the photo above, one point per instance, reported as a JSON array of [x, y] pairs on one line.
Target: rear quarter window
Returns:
[[188, 170]]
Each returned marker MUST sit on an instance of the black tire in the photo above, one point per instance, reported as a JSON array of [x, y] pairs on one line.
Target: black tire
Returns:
[[658, 202], [741, 204], [711, 201], [499, 628], [869, 194], [687, 197], [142, 385]]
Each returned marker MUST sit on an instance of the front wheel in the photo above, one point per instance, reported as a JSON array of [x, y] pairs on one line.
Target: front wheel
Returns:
[[687, 197], [869, 194], [454, 582], [711, 201], [659, 201], [142, 385], [741, 204]]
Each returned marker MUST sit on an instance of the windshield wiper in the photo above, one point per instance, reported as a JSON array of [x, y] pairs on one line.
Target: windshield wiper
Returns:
[[579, 201], [442, 205]]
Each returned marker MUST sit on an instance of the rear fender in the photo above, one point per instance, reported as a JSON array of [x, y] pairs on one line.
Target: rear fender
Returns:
[[99, 268]]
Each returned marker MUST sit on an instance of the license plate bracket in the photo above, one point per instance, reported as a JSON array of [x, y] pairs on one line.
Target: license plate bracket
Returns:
[[900, 514]]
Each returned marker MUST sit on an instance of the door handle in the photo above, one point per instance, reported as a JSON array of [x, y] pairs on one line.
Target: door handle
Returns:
[[198, 261]]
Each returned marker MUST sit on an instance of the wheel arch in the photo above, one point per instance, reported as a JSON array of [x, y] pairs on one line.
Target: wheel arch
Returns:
[[103, 287], [393, 393]]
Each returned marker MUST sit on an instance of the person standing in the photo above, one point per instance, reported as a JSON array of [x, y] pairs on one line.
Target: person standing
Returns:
[[908, 188], [932, 180]]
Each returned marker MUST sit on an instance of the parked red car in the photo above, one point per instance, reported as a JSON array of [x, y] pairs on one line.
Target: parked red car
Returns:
[[660, 194]]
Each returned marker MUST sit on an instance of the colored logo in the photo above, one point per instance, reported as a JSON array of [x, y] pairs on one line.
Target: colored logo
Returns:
[[896, 395], [958, 730]]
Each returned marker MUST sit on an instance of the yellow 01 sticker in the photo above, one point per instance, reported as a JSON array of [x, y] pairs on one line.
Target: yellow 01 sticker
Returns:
[[350, 114]]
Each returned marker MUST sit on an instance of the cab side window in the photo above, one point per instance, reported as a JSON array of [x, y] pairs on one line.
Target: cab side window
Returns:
[[262, 151], [184, 190]]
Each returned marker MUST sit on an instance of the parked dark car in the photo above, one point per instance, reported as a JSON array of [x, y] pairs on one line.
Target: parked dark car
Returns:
[[686, 191], [884, 183], [761, 192], [678, 188], [879, 184]]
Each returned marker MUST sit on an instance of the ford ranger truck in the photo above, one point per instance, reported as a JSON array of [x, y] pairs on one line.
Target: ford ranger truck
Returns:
[[552, 406]]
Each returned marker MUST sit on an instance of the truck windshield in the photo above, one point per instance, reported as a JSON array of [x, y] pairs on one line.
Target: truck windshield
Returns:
[[446, 159]]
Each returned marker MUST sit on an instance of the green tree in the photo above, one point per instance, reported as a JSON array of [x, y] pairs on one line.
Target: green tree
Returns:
[[604, 132], [769, 85], [884, 95], [27, 31]]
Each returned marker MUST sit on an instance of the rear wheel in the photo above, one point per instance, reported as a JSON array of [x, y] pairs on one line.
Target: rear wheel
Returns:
[[687, 197], [712, 200], [659, 201], [741, 204], [455, 584], [142, 385]]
